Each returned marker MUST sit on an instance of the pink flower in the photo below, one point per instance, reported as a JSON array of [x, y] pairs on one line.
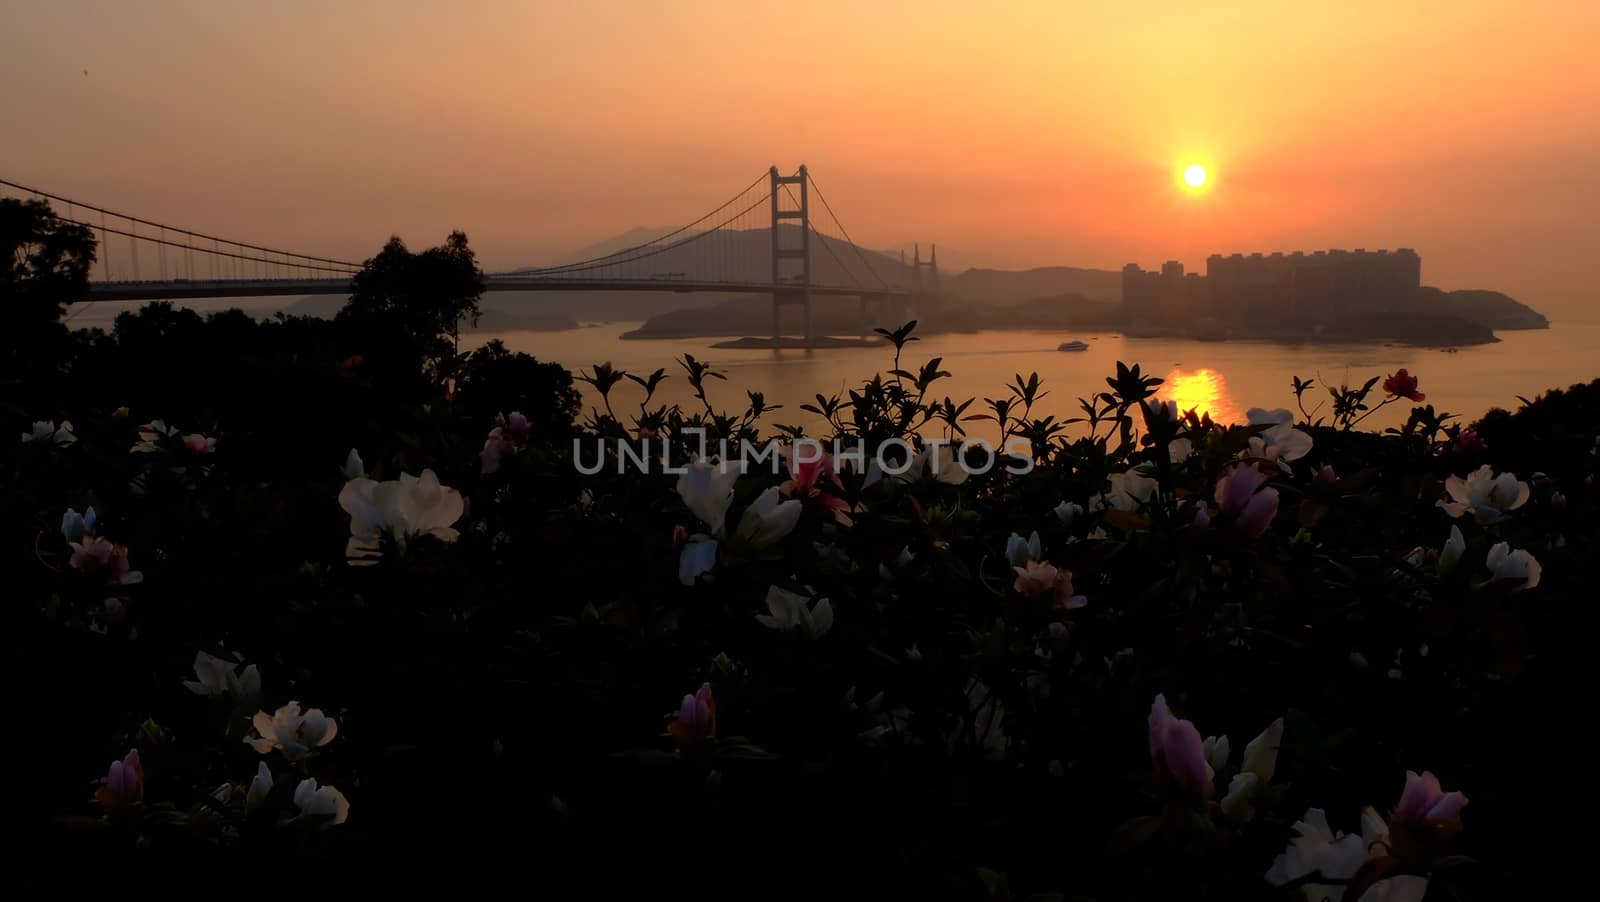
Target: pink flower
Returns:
[[1239, 493], [124, 784], [1177, 752], [518, 424], [1403, 385], [199, 444], [96, 555], [1039, 577], [816, 483], [1035, 577], [697, 717], [1325, 475], [1469, 442], [495, 447], [1424, 802]]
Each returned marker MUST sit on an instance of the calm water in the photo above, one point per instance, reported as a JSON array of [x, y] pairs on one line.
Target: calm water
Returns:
[[1225, 378]]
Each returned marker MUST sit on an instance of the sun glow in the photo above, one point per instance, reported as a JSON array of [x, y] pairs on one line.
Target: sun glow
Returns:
[[1204, 391], [1195, 177]]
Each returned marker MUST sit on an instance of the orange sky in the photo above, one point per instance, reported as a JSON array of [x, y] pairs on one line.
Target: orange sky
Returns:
[[1011, 133]]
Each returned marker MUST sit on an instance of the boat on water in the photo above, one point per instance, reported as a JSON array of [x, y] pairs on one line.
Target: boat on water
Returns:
[[1073, 346]]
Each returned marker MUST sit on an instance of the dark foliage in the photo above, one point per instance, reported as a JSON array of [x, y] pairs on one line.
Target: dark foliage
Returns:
[[503, 699]]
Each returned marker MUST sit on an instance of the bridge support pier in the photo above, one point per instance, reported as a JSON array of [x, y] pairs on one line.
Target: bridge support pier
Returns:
[[787, 287]]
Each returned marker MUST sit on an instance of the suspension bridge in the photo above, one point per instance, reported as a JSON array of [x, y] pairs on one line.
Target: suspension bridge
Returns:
[[762, 241]]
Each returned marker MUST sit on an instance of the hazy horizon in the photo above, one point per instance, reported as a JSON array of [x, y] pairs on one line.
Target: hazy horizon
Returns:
[[1034, 135]]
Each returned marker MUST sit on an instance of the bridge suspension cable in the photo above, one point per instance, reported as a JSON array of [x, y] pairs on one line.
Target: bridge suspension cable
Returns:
[[165, 243], [848, 240], [164, 228], [652, 243]]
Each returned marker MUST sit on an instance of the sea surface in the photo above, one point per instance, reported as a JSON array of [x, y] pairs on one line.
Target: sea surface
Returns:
[[1223, 378]]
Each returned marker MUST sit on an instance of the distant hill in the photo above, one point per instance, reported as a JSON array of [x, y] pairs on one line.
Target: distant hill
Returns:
[[631, 238], [746, 256], [1485, 308], [544, 310], [999, 286]]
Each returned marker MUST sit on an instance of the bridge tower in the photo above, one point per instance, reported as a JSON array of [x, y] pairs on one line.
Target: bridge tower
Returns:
[[925, 274], [791, 284]]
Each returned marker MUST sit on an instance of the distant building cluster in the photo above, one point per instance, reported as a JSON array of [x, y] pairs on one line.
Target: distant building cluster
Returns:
[[1275, 286]]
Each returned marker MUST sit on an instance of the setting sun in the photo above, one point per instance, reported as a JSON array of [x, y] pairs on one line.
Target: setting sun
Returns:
[[1195, 176]]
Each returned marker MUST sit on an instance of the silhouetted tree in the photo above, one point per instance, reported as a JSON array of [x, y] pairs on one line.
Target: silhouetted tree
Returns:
[[495, 381], [46, 267], [426, 295]]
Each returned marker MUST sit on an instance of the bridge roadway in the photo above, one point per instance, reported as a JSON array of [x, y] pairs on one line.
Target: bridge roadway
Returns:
[[236, 288]]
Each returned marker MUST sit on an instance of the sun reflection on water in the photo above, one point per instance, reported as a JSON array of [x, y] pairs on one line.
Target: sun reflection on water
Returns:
[[1202, 390]]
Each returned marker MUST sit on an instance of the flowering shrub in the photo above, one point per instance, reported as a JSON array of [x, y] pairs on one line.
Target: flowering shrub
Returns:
[[932, 677]]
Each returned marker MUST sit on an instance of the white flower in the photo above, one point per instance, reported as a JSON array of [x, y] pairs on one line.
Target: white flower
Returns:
[[1020, 551], [1516, 565], [949, 470], [47, 431], [1487, 496], [354, 468], [1335, 856], [399, 509], [1260, 761], [707, 489], [1180, 449], [290, 731], [1128, 491], [1260, 450], [768, 520], [1291, 443], [699, 556], [151, 434], [1068, 511], [1450, 555], [215, 677], [1216, 748], [260, 787], [324, 802], [790, 613], [1162, 410], [75, 526]]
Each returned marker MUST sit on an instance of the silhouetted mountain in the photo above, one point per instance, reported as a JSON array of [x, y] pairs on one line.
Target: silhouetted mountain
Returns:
[[998, 286], [544, 310], [746, 256], [1490, 309], [631, 238]]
